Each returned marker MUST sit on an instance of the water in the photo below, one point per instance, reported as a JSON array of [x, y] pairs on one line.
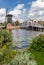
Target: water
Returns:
[[23, 37]]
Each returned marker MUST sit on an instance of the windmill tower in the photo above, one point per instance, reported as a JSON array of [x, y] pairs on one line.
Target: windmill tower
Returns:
[[9, 18]]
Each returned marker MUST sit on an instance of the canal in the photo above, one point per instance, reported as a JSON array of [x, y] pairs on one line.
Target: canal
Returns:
[[24, 37]]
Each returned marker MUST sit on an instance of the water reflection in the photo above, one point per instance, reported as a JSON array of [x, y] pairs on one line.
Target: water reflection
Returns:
[[24, 37]]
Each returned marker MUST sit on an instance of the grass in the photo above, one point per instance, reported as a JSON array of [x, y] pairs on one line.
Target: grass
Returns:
[[38, 56]]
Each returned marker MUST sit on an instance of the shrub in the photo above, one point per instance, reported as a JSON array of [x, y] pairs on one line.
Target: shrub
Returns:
[[5, 46], [38, 43], [23, 59]]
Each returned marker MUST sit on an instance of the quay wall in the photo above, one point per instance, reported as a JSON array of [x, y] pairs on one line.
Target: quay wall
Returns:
[[21, 27]]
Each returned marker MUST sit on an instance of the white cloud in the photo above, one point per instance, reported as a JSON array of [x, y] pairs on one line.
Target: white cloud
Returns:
[[2, 15], [37, 10], [19, 6], [38, 3], [19, 12]]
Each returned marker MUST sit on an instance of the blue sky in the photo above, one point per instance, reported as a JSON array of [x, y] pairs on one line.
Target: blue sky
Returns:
[[22, 10], [10, 4]]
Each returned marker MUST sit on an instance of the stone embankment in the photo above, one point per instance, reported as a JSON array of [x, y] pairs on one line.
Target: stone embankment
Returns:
[[10, 27], [13, 27]]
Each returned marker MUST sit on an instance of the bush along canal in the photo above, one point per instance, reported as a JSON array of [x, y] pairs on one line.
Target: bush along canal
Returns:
[[32, 55]]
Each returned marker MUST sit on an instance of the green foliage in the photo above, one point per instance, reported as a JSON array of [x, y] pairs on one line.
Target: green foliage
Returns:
[[38, 56], [23, 58], [5, 46], [37, 49], [14, 52], [5, 36], [38, 43], [4, 24], [17, 23], [43, 23]]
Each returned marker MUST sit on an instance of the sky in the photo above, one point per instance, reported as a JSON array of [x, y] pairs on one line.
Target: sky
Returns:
[[22, 10]]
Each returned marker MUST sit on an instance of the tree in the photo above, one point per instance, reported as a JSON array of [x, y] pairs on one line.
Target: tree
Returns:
[[17, 23], [43, 23]]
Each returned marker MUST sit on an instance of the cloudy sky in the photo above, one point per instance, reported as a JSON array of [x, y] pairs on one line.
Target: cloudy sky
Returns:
[[22, 9]]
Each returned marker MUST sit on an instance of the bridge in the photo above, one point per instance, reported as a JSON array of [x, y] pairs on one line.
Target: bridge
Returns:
[[33, 27], [27, 27]]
